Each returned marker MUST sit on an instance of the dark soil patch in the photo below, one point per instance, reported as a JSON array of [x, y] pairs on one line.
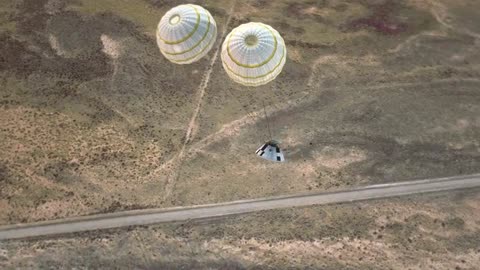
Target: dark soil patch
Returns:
[[262, 3], [304, 44], [340, 7], [32, 6], [62, 172], [285, 27], [32, 16], [296, 71], [81, 69], [23, 56], [3, 173], [15, 56], [381, 20]]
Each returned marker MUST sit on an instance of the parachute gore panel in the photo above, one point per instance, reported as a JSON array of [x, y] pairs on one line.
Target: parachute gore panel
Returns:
[[186, 33], [253, 54]]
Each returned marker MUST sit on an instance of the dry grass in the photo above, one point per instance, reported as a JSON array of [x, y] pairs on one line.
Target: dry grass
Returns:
[[94, 118]]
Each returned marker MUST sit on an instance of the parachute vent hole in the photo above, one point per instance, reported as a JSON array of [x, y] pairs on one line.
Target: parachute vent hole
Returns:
[[174, 19], [251, 40]]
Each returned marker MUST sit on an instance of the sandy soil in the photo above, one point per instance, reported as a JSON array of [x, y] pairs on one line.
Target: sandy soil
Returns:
[[436, 231], [94, 119]]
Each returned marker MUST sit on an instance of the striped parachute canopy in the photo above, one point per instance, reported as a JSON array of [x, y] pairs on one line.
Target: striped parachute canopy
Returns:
[[253, 54], [186, 33]]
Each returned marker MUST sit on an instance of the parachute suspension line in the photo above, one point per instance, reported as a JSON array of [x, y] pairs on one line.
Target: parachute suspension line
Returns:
[[256, 114], [266, 119], [249, 113], [248, 72]]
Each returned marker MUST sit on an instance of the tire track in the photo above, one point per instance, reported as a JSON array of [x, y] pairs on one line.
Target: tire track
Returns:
[[198, 212], [176, 162]]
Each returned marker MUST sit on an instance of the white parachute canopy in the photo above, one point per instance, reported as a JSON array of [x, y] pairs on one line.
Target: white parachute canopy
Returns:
[[186, 33], [253, 54]]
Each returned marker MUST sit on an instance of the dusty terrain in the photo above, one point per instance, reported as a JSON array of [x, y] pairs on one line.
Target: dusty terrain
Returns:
[[93, 119], [435, 231]]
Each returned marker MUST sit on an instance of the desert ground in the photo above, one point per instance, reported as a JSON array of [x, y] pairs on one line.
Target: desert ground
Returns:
[[435, 231], [93, 119]]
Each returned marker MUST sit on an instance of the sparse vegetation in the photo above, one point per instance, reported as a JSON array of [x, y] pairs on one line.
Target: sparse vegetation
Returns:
[[92, 118], [398, 233], [92, 115]]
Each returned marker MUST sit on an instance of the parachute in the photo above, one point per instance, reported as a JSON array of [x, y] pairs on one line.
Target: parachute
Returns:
[[253, 54], [186, 33]]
